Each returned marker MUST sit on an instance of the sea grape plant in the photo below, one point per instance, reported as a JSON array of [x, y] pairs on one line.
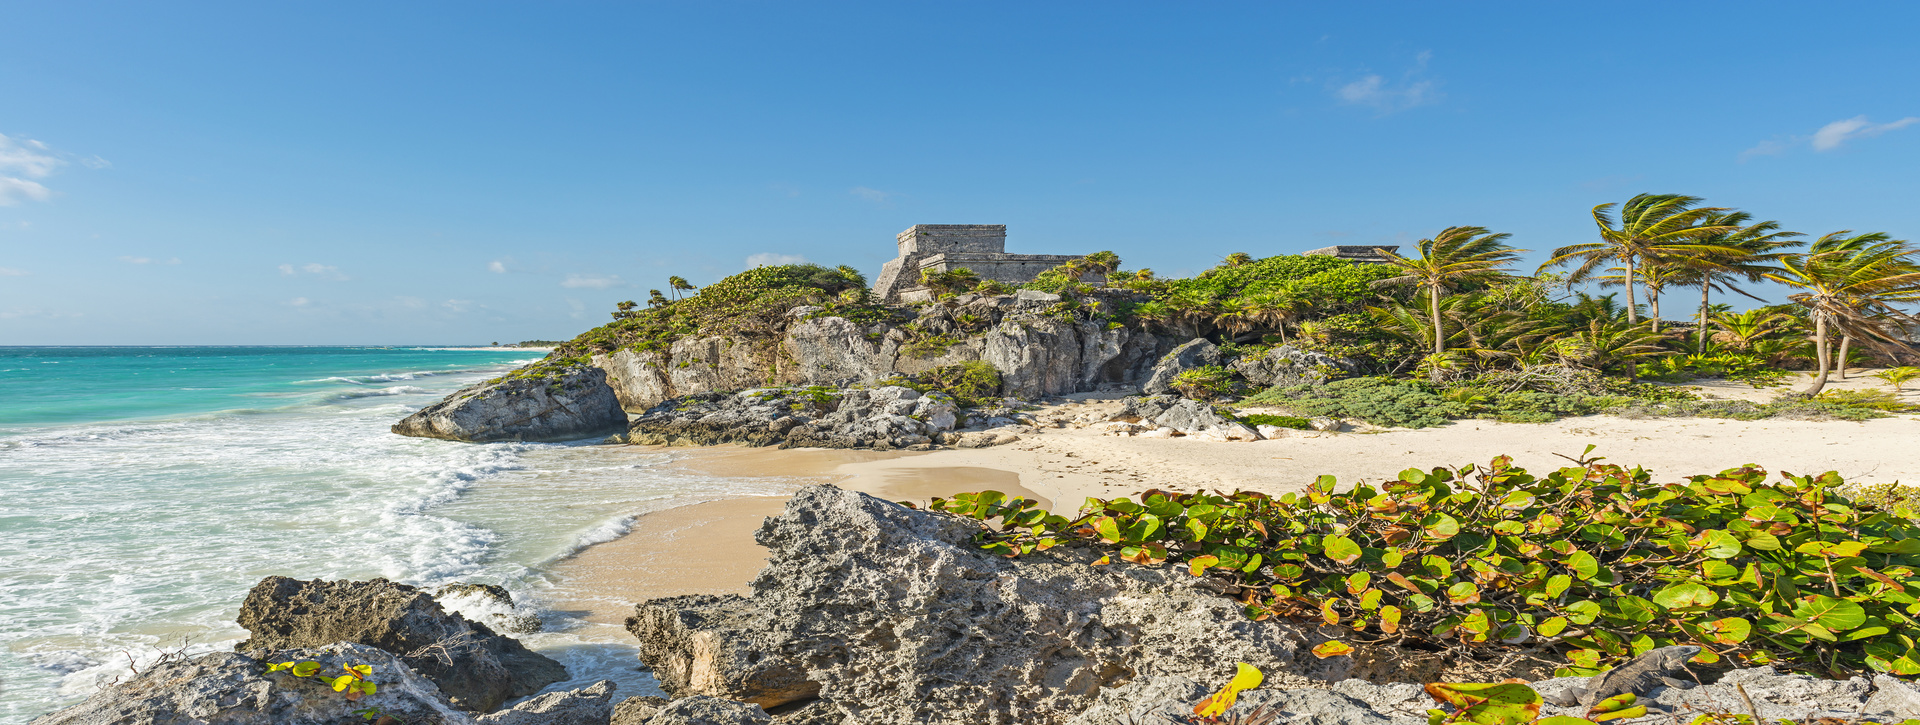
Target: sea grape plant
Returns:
[[353, 681], [1593, 560]]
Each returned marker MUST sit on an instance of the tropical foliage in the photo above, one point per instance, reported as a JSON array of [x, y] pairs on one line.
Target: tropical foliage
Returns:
[[1596, 562]]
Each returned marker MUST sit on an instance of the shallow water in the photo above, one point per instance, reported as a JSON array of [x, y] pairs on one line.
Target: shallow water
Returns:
[[144, 490]]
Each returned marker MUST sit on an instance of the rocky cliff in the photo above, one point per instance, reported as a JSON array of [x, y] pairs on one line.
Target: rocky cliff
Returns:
[[1037, 353], [1038, 349]]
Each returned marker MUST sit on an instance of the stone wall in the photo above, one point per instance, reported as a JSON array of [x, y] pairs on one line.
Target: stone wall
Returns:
[[921, 241]]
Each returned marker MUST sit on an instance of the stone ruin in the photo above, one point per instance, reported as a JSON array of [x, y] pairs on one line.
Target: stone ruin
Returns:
[[1370, 253], [943, 247]]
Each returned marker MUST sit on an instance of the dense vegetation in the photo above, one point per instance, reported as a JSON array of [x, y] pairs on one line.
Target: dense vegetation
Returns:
[[1594, 562]]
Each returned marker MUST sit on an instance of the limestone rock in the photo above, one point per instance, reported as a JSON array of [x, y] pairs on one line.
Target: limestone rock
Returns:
[[592, 705], [899, 618], [637, 710], [1192, 354], [703, 710], [1324, 424], [572, 404], [1286, 366], [883, 418], [1031, 295], [476, 668], [229, 688], [1170, 701], [1270, 432], [1894, 695], [490, 603], [702, 644]]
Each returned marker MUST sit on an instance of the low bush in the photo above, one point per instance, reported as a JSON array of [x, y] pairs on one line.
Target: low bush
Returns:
[[971, 383], [1282, 421], [1594, 561], [1380, 401], [1206, 382]]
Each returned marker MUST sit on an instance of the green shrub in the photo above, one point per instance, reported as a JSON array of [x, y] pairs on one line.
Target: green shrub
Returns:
[[1206, 382], [1870, 399], [971, 383], [1594, 561], [1282, 421], [929, 347], [1380, 401]]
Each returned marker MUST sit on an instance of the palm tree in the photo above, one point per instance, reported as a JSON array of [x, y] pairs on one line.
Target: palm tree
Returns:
[[1101, 263], [1607, 345], [1750, 327], [1850, 283], [1761, 246], [1455, 255], [1237, 259], [679, 284], [1276, 310], [1651, 229]]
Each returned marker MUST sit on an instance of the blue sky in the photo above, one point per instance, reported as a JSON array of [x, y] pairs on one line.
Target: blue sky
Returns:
[[440, 173]]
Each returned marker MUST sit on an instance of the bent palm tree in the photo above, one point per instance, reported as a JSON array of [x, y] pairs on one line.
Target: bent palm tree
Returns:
[[1760, 248], [1651, 229], [1851, 283], [1455, 255], [679, 284]]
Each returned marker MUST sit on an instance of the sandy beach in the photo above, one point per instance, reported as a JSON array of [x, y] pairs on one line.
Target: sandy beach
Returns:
[[708, 548]]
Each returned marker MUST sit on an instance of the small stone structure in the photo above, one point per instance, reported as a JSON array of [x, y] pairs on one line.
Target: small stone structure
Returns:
[[943, 247], [1359, 253]]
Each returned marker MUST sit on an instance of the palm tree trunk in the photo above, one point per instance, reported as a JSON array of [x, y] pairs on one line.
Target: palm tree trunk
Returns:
[[1846, 341], [1439, 336], [1633, 318], [1820, 354], [1705, 287], [1653, 305]]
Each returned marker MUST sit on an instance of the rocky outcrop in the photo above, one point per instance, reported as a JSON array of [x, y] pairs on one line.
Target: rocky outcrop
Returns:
[[1287, 365], [883, 418], [637, 710], [1181, 416], [235, 689], [1189, 355], [1169, 700], [591, 705], [476, 668], [1038, 354], [700, 710], [897, 617], [570, 404]]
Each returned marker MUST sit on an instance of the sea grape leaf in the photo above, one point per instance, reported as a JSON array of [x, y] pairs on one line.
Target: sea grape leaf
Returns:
[[1501, 703], [1332, 648], [1341, 549], [1215, 705]]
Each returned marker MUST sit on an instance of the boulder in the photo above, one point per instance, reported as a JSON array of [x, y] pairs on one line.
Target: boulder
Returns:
[[476, 668], [884, 418], [898, 617], [1189, 355], [703, 644], [491, 603], [1894, 695], [636, 710], [591, 705], [570, 404], [1031, 295], [1324, 424], [1286, 366], [236, 689], [1170, 701], [702, 710]]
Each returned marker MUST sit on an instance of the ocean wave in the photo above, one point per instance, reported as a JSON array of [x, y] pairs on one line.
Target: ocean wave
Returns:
[[394, 390]]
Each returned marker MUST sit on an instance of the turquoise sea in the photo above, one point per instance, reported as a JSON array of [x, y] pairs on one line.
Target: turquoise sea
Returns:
[[144, 490]]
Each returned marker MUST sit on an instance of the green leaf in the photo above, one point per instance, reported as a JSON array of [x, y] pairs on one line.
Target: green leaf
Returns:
[[1836, 615], [1583, 611], [1717, 543], [1109, 529], [1685, 594], [1582, 564], [1341, 549], [1441, 526], [1553, 627], [1488, 703], [1463, 593], [1732, 630], [1198, 565]]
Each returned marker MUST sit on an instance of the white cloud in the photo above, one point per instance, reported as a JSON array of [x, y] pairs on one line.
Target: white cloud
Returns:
[[13, 190], [11, 272], [458, 305], [299, 302], [24, 159], [150, 260], [873, 195], [592, 281], [324, 271], [1830, 136], [1376, 92], [770, 259], [497, 267], [27, 157]]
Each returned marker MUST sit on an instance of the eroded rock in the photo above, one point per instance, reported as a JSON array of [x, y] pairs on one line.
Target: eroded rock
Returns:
[[571, 404], [591, 705], [230, 688], [476, 668], [898, 617], [1189, 355]]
